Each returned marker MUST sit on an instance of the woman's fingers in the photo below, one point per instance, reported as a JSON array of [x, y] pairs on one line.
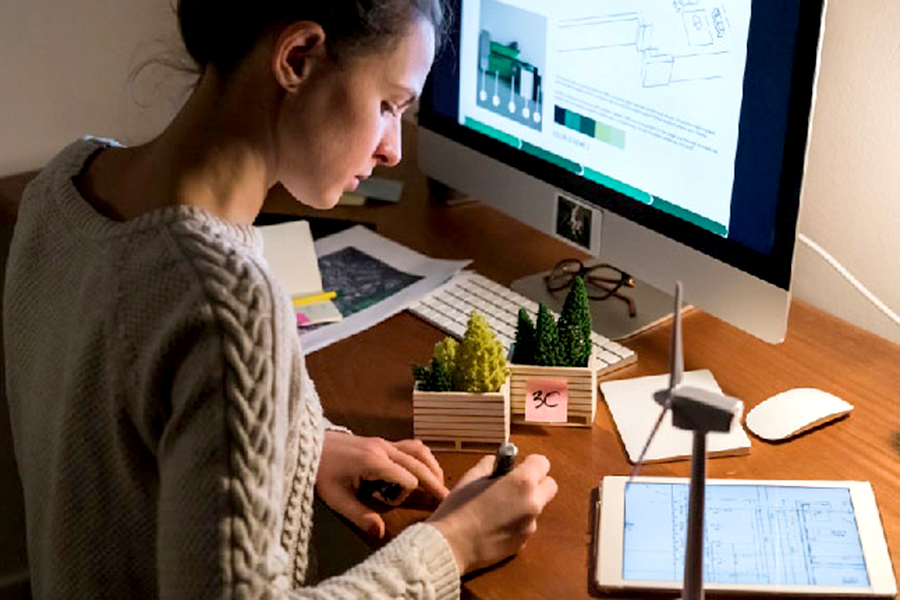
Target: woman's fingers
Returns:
[[427, 479], [546, 491], [535, 470], [387, 469], [535, 465], [348, 505], [418, 449]]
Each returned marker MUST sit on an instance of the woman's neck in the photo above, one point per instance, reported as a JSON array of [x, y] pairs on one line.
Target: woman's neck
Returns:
[[210, 156]]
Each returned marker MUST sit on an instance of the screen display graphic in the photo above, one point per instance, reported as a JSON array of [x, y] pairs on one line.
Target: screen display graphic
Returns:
[[641, 96]]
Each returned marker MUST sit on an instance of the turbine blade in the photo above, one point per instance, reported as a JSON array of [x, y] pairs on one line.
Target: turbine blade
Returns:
[[659, 420]]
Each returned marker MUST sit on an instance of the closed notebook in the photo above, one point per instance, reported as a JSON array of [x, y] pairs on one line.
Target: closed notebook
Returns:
[[635, 411], [291, 255], [289, 251]]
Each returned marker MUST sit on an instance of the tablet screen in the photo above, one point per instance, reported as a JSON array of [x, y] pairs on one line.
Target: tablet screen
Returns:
[[754, 534]]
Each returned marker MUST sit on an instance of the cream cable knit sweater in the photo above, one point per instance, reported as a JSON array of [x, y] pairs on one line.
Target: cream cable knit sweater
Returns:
[[166, 430]]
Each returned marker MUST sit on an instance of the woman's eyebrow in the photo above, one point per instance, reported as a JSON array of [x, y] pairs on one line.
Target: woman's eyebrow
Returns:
[[412, 96]]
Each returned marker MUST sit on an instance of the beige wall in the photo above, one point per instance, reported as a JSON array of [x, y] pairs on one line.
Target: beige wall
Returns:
[[65, 66], [65, 70], [852, 201]]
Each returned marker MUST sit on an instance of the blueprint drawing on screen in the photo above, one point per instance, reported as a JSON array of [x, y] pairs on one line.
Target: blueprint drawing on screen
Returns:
[[643, 93], [752, 535]]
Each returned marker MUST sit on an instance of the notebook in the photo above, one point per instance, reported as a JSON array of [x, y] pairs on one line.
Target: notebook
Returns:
[[635, 412]]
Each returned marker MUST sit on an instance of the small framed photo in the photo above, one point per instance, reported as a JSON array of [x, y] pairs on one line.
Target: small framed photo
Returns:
[[578, 223]]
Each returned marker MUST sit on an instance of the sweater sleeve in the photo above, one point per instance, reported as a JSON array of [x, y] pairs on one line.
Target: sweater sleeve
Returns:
[[329, 426], [221, 461], [309, 389]]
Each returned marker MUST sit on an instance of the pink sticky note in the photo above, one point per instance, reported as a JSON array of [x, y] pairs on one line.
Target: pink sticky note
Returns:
[[547, 400], [302, 319]]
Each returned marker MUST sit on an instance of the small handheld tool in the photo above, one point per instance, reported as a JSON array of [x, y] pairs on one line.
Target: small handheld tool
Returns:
[[388, 490], [505, 460]]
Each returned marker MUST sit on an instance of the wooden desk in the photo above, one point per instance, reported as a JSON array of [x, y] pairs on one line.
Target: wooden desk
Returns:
[[365, 383]]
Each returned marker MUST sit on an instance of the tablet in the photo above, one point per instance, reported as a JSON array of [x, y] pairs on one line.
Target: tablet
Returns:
[[820, 538]]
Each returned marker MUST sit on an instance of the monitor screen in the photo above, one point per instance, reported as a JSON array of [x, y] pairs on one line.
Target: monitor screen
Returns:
[[689, 118]]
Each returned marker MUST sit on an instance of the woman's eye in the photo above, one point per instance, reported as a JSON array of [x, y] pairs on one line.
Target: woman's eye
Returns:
[[387, 107]]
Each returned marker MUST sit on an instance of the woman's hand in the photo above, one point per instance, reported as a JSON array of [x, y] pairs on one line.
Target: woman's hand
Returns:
[[348, 459], [486, 520]]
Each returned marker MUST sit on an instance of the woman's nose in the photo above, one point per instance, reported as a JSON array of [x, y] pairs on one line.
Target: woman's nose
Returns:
[[390, 149]]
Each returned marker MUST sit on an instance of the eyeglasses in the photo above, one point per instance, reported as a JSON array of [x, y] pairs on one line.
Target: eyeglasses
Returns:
[[601, 281]]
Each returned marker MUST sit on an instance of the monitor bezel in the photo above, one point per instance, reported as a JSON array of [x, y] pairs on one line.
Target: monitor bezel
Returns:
[[775, 267]]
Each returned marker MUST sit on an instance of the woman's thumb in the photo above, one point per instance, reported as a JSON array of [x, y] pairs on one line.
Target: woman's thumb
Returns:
[[481, 469]]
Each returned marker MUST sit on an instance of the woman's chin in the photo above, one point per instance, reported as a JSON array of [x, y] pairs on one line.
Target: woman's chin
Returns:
[[320, 201], [330, 201]]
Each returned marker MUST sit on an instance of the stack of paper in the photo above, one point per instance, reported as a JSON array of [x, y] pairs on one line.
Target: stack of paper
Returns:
[[374, 278], [288, 249], [635, 412]]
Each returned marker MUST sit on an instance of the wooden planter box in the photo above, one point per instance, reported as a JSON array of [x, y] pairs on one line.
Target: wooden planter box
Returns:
[[461, 420], [581, 383]]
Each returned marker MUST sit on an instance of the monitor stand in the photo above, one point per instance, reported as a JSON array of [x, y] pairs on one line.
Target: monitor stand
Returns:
[[610, 317]]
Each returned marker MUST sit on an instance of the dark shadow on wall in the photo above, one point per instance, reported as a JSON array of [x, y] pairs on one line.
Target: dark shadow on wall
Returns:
[[13, 557]]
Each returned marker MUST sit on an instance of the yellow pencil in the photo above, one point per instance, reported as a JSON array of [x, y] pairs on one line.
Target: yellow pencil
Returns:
[[312, 299]]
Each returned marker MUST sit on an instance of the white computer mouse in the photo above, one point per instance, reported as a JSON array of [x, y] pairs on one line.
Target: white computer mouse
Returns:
[[793, 412]]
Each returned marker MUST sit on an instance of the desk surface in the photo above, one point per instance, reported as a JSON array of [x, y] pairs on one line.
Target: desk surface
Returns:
[[365, 383]]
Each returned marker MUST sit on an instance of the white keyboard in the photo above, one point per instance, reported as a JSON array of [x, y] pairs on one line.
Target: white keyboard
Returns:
[[449, 306]]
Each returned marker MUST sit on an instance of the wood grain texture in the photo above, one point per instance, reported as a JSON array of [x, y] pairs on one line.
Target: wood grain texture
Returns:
[[365, 382], [461, 417], [581, 383], [819, 351]]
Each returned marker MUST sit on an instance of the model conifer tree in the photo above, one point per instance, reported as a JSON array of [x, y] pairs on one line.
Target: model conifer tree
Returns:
[[523, 351], [546, 344], [445, 353], [480, 363], [575, 327], [437, 376]]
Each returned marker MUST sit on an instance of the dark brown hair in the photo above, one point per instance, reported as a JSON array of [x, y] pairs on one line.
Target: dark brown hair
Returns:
[[222, 32]]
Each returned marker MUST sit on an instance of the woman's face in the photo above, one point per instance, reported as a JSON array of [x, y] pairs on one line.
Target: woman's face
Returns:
[[343, 122]]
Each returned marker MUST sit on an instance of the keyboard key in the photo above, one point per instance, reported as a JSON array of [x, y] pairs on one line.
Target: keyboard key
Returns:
[[608, 357], [449, 308]]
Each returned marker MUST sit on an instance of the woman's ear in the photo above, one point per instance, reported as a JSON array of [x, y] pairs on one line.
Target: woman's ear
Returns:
[[298, 49]]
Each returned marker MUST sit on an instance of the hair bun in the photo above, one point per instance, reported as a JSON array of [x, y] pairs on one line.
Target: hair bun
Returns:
[[195, 30], [221, 32]]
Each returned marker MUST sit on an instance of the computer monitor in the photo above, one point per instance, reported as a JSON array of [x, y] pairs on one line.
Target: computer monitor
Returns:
[[667, 137]]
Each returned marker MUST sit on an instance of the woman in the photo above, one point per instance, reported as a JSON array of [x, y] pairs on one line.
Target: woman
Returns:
[[168, 436]]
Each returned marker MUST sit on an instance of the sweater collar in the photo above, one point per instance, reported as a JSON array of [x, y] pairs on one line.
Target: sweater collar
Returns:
[[72, 160]]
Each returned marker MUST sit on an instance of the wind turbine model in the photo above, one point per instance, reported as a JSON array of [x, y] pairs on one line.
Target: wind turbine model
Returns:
[[701, 411]]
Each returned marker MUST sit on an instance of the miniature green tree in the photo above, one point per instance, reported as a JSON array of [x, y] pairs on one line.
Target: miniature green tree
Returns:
[[546, 345], [437, 376], [439, 379], [480, 363], [445, 352], [575, 327], [523, 351]]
